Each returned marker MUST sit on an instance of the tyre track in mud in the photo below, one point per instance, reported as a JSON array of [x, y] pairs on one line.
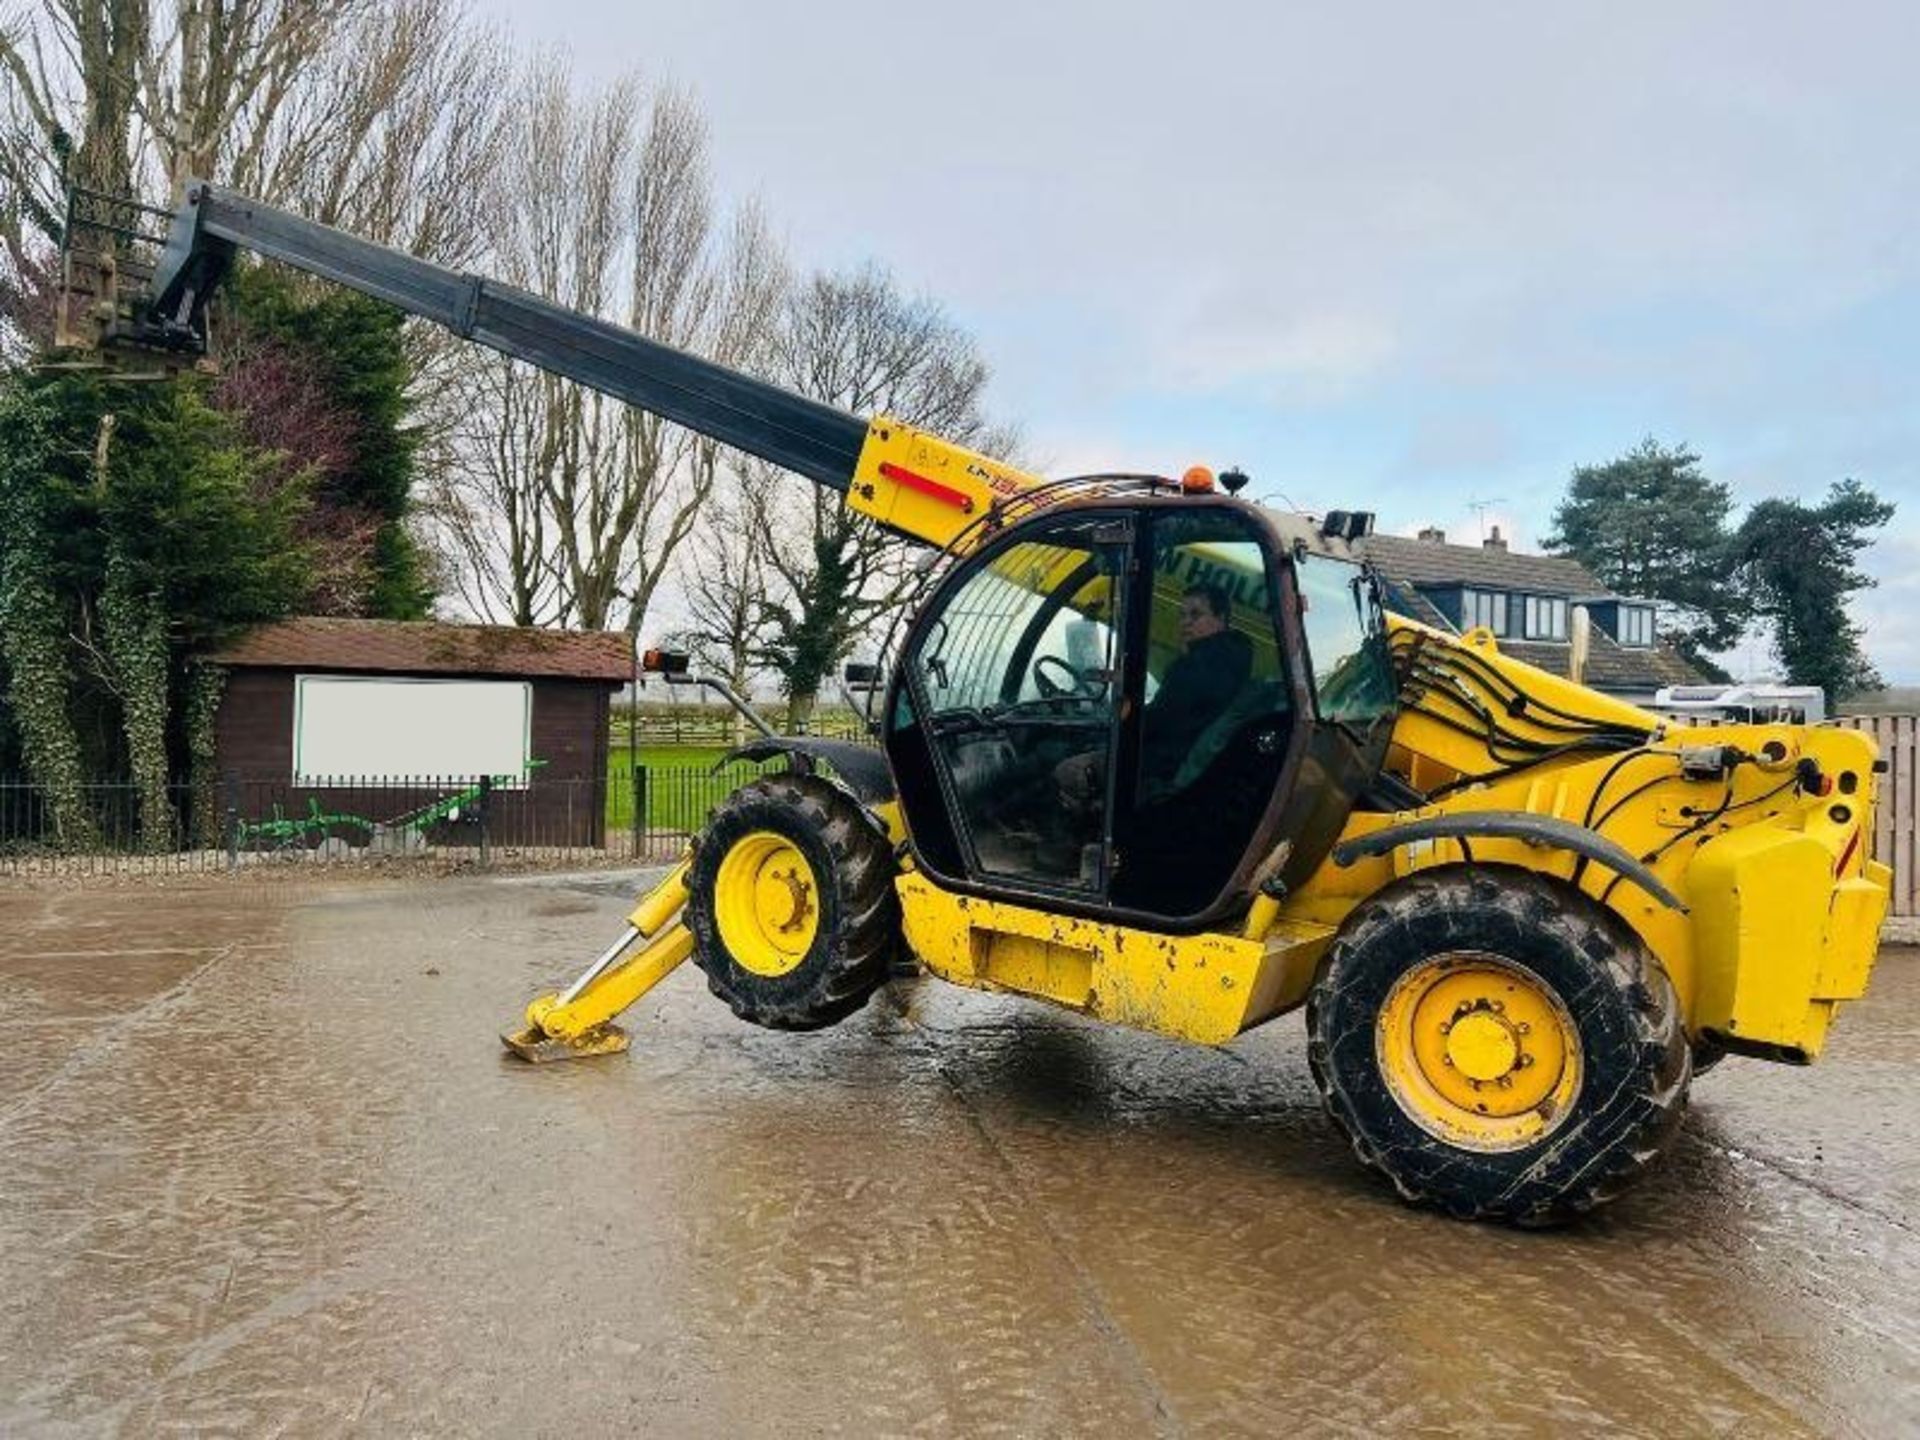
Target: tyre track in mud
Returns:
[[309, 1193]]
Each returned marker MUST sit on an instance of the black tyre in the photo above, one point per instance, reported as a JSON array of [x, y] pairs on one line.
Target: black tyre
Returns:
[[791, 902], [1498, 1045]]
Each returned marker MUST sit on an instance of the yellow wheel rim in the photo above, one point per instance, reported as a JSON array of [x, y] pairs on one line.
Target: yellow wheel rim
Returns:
[[1478, 1051], [766, 903]]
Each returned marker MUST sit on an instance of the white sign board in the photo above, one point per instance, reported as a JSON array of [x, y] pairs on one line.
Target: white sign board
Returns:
[[382, 729]]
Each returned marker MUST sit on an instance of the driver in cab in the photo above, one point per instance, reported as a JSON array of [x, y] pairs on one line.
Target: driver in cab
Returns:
[[1213, 664]]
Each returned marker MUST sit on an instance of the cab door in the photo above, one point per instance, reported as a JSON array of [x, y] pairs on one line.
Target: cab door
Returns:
[[1213, 718], [1003, 725]]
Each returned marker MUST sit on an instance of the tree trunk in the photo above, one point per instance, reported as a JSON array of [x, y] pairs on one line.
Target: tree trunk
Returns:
[[737, 680], [146, 715], [34, 623], [108, 41], [33, 636], [800, 712], [205, 687], [134, 627]]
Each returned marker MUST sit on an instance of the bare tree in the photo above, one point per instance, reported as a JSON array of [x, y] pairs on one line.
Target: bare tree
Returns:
[[483, 499], [381, 115], [723, 579], [69, 109], [72, 102], [217, 73], [132, 96], [567, 506], [731, 322], [391, 132], [854, 340]]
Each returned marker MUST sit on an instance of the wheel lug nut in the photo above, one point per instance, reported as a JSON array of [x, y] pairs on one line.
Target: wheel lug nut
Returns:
[[1524, 1028]]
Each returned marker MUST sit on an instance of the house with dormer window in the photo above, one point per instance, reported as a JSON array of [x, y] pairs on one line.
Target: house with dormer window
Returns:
[[1527, 601]]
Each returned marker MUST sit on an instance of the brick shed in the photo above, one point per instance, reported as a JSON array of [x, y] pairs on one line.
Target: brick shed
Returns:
[[378, 717]]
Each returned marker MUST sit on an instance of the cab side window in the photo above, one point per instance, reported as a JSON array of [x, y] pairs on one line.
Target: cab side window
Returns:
[[1213, 652]]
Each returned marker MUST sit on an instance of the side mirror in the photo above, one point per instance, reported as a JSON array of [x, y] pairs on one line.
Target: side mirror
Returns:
[[861, 675], [665, 662]]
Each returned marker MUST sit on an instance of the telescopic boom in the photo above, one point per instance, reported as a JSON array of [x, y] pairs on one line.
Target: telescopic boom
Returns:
[[914, 483]]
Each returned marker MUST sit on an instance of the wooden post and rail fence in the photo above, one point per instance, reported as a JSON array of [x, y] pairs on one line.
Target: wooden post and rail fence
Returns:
[[1898, 737]]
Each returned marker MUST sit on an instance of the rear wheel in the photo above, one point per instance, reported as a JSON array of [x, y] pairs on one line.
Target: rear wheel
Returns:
[[1498, 1045], [790, 899]]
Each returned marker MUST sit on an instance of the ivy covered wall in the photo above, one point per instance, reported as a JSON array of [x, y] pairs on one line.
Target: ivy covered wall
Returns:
[[145, 523]]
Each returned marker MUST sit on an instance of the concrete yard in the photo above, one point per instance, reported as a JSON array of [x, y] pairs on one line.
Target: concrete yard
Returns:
[[268, 1171]]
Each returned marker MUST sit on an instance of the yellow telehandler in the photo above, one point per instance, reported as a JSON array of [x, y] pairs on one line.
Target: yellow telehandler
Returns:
[[1164, 757]]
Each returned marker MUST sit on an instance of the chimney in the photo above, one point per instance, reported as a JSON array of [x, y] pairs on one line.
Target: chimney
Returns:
[[1434, 535], [1495, 541]]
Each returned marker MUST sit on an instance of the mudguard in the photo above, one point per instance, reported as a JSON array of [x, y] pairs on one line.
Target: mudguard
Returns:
[[861, 768]]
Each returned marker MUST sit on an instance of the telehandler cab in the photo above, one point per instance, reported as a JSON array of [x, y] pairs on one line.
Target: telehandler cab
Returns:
[[1519, 914]]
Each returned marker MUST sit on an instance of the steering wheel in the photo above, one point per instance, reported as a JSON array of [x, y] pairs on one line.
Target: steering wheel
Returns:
[[1052, 689]]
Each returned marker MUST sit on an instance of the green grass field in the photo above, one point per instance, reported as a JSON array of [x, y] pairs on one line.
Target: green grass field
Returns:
[[621, 756], [680, 785]]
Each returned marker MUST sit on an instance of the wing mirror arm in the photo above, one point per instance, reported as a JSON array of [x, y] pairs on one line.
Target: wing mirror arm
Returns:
[[675, 667], [864, 681]]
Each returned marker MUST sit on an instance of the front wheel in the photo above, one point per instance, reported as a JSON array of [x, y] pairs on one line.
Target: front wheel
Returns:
[[791, 903], [1498, 1045]]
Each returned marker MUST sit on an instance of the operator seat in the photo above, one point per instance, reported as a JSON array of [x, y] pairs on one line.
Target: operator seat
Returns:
[[1257, 700], [1182, 840]]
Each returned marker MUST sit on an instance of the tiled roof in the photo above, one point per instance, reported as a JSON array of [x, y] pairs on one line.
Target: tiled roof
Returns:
[[1403, 599], [1611, 666], [424, 647], [1430, 562]]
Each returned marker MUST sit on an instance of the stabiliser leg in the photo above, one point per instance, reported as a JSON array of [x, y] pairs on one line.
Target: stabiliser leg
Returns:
[[578, 1021]]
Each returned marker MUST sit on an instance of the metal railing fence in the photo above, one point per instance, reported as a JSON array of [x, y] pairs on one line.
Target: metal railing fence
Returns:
[[643, 813]]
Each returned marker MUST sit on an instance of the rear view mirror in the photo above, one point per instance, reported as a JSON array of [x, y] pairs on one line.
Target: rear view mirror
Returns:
[[664, 662], [861, 675]]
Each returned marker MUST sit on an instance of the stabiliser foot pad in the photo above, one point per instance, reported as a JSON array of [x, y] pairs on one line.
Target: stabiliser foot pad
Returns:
[[537, 1047]]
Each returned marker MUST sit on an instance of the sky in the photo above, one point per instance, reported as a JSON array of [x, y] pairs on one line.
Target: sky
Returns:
[[1414, 258]]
